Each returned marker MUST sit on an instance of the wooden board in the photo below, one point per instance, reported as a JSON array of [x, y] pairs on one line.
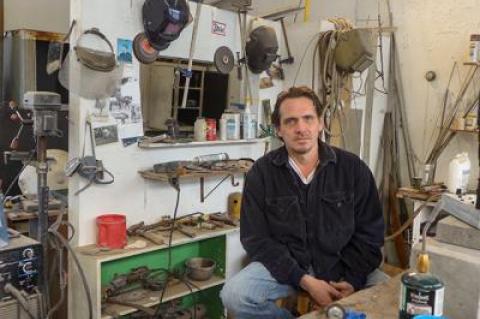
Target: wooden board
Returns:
[[378, 302], [164, 177], [91, 251]]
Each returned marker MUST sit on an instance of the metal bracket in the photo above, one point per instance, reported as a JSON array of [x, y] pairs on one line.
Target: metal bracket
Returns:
[[203, 197]]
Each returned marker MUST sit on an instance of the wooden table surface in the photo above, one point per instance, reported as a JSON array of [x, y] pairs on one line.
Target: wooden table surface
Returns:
[[378, 302]]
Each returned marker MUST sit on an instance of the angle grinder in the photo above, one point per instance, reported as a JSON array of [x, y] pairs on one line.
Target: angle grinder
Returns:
[[224, 60], [143, 50]]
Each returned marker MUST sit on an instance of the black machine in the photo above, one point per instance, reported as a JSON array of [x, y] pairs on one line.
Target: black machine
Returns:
[[21, 266], [163, 21], [261, 49]]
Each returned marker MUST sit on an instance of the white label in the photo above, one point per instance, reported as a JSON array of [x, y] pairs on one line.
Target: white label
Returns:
[[438, 311]]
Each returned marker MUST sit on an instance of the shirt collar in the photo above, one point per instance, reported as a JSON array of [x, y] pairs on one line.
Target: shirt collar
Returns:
[[326, 154]]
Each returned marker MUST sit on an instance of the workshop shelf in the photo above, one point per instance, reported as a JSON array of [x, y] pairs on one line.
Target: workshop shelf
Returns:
[[147, 145], [101, 266], [173, 178], [152, 298], [165, 177]]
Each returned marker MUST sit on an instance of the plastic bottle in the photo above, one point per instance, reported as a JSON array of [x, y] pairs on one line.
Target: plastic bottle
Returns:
[[200, 130], [233, 125], [222, 130], [458, 173], [249, 125]]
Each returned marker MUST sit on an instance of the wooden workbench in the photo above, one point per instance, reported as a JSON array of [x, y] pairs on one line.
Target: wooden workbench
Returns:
[[378, 302], [15, 219]]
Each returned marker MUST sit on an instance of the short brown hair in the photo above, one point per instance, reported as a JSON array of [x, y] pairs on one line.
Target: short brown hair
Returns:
[[296, 92]]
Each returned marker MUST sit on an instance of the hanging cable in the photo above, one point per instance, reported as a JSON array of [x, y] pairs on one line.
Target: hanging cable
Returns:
[[330, 79]]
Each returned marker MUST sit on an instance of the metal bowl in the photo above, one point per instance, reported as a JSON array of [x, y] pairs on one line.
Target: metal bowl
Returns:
[[200, 268]]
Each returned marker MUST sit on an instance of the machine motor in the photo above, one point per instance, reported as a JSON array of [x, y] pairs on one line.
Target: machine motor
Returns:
[[20, 265]]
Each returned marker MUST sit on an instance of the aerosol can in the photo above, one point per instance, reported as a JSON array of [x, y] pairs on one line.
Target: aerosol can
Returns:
[[421, 292]]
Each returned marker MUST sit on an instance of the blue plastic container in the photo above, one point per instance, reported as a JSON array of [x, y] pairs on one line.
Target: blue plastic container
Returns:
[[3, 225]]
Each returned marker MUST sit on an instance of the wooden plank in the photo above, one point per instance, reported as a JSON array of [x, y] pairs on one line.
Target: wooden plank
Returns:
[[164, 177], [377, 302], [207, 143], [93, 253]]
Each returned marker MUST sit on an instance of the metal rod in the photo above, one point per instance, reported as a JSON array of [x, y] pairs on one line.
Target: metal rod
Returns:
[[477, 200], [42, 193], [192, 52]]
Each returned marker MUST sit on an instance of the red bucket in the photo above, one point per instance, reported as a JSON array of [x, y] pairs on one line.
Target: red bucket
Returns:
[[112, 231]]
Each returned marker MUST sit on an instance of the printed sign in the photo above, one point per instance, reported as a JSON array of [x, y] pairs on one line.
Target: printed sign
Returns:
[[219, 28]]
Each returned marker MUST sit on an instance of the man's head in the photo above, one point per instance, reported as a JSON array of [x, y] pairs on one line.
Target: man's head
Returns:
[[298, 119]]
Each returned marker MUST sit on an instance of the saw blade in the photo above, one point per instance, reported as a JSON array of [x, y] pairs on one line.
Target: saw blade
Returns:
[[224, 60], [143, 50]]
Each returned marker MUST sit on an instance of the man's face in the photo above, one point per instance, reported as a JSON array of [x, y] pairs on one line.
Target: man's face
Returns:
[[299, 125]]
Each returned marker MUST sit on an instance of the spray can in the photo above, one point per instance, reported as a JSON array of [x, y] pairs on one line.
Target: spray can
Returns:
[[421, 294], [222, 130], [211, 130]]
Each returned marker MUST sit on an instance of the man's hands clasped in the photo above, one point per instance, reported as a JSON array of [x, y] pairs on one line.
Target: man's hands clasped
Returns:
[[324, 293]]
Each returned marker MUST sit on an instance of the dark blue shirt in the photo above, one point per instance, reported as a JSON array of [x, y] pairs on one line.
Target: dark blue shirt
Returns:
[[334, 225]]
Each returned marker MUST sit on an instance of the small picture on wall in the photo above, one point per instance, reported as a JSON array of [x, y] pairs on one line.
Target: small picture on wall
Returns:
[[124, 51]]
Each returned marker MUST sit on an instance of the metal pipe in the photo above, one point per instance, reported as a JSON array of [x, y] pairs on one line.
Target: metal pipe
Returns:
[[42, 194], [192, 52]]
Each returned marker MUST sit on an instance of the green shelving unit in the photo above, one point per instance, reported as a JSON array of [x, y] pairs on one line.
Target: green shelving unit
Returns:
[[101, 269]]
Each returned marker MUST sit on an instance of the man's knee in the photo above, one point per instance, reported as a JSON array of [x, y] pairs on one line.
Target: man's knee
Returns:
[[237, 294], [232, 295]]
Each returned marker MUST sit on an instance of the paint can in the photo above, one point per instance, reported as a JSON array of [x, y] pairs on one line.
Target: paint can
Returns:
[[233, 125], [211, 129], [474, 49], [421, 294]]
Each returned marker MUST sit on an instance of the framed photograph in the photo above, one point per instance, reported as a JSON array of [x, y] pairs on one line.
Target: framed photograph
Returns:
[[124, 51], [219, 28], [105, 134]]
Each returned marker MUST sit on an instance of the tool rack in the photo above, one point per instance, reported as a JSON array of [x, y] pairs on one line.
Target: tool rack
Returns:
[[100, 267]]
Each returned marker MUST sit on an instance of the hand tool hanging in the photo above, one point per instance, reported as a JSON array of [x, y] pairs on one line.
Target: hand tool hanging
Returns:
[[89, 166], [188, 72]]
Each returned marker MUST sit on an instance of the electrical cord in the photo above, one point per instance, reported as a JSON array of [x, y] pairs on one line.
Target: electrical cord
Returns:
[[412, 217], [10, 289], [174, 182], [53, 230], [59, 257]]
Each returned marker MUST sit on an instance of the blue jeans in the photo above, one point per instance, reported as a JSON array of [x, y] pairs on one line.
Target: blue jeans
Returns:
[[253, 291]]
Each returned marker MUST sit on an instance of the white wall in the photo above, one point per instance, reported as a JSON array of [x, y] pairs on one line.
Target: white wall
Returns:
[[431, 35], [139, 199], [41, 15]]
